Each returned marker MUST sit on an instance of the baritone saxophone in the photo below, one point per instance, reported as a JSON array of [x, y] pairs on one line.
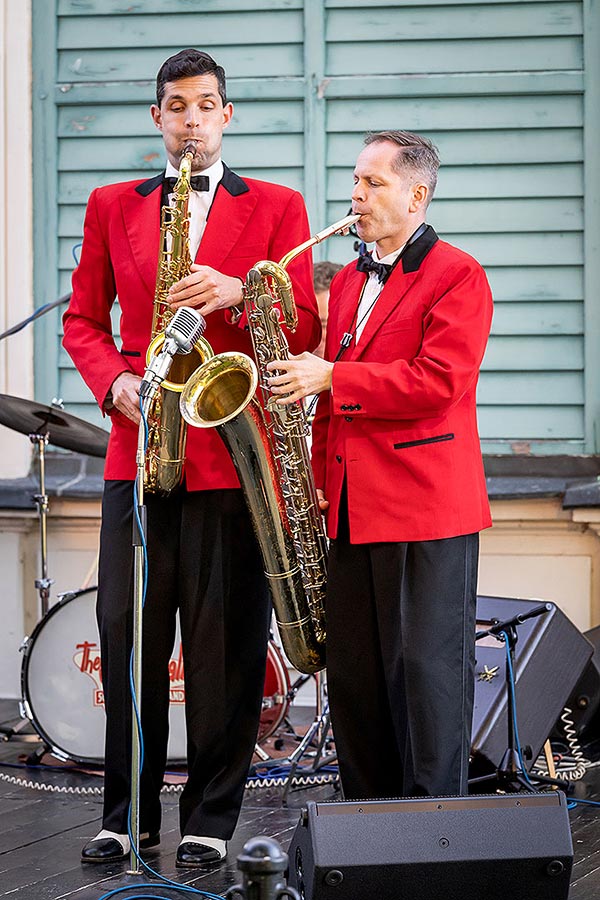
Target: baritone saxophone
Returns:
[[167, 430], [268, 446]]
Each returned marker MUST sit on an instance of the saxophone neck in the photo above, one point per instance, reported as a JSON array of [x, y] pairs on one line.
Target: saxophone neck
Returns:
[[336, 228]]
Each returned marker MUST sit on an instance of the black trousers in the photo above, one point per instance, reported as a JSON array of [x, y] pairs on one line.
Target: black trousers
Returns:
[[203, 560], [400, 664]]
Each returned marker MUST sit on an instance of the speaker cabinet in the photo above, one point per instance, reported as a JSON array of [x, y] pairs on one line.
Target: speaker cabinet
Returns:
[[455, 848], [550, 656], [584, 700]]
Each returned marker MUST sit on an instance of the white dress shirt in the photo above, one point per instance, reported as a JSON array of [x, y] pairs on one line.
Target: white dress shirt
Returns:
[[372, 290], [199, 202]]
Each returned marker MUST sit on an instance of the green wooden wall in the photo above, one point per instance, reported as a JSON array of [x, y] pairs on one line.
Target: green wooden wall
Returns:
[[509, 92]]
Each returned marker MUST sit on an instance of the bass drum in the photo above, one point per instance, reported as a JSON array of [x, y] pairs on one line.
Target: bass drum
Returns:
[[61, 684]]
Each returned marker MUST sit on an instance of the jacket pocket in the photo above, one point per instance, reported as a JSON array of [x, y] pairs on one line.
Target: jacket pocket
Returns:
[[431, 440], [130, 353]]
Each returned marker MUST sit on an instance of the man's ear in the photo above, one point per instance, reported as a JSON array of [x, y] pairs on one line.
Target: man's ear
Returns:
[[420, 193], [227, 114], [156, 116]]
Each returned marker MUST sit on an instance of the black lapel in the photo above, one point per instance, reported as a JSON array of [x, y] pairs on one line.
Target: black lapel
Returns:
[[232, 183], [416, 253], [146, 187]]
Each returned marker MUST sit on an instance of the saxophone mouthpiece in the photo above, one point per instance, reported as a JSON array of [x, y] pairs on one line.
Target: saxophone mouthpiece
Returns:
[[190, 147]]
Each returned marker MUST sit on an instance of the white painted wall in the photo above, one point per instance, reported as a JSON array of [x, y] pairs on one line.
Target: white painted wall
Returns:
[[16, 242]]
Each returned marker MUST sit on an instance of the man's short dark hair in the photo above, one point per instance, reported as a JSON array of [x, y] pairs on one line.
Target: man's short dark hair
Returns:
[[187, 64], [415, 152], [323, 274]]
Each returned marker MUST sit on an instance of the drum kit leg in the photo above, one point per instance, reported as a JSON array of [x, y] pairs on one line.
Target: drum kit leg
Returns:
[[314, 749]]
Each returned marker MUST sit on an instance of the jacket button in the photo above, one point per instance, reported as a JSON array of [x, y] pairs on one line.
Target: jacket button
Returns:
[[348, 418], [358, 406], [338, 459], [344, 406]]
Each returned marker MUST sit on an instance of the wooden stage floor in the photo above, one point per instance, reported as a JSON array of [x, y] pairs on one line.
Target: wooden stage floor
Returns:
[[42, 832]]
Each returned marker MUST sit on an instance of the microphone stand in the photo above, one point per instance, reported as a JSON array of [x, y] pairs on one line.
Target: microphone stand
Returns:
[[138, 543], [510, 772]]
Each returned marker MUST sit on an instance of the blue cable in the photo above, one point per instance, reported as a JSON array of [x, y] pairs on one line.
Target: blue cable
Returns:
[[74, 250], [171, 885]]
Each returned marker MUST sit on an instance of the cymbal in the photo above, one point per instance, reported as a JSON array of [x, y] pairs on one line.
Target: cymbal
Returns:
[[63, 430]]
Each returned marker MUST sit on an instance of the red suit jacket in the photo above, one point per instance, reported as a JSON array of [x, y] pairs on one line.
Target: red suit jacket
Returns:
[[249, 220], [400, 422]]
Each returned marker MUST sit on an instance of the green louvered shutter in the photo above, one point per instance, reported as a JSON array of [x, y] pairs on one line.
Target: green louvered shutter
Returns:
[[507, 90]]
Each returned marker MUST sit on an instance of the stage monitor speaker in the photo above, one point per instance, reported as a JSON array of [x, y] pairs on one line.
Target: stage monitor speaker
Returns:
[[550, 656], [455, 848], [584, 700]]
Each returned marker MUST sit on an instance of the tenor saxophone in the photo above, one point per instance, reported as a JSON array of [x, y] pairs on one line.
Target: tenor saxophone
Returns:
[[167, 430], [268, 446]]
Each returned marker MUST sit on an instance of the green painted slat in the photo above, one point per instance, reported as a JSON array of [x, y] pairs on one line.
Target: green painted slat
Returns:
[[145, 31], [521, 318], [408, 56], [141, 154], [532, 353], [456, 113], [455, 84], [543, 284], [134, 120], [494, 215], [143, 90], [333, 4], [544, 145], [485, 21], [530, 422], [119, 64], [449, 84], [520, 249], [472, 181], [548, 214], [543, 388], [173, 7]]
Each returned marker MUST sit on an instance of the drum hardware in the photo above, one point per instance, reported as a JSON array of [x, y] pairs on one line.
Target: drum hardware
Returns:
[[49, 424], [314, 744]]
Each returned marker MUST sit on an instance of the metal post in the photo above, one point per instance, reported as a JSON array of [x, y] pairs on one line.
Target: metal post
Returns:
[[42, 584], [139, 541]]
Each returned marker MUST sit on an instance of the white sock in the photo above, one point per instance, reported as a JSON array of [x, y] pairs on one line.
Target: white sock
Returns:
[[123, 839], [216, 843]]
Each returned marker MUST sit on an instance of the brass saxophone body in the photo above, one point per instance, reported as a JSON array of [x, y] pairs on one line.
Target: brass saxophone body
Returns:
[[269, 448], [167, 431]]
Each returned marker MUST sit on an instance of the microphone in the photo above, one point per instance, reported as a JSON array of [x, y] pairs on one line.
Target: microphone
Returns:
[[182, 332]]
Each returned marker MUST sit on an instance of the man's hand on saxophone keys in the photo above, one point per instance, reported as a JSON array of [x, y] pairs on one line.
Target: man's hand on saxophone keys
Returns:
[[298, 377], [206, 290]]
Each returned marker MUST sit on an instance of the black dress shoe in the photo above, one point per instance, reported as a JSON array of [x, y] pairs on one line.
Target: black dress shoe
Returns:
[[191, 855], [107, 850]]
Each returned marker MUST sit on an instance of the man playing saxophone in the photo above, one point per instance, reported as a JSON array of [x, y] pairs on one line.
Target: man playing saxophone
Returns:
[[397, 460], [203, 556]]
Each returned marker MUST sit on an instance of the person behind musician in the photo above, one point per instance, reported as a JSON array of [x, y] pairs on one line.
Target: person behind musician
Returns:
[[323, 275], [399, 472], [203, 559]]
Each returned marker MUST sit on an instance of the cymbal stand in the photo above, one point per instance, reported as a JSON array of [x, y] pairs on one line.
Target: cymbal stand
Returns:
[[318, 730], [42, 584]]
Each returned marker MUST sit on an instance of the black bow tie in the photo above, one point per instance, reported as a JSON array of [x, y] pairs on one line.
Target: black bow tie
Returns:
[[366, 263], [197, 183]]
